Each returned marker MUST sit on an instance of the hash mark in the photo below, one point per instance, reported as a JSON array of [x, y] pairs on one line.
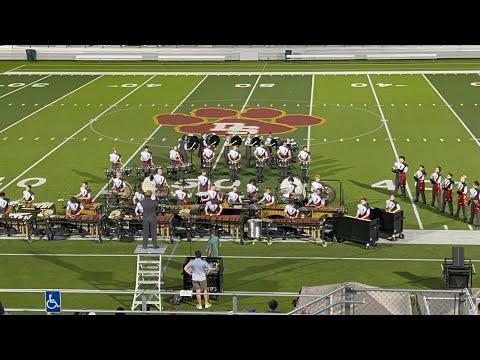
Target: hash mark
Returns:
[[74, 104], [424, 139], [470, 227], [374, 139], [127, 104], [10, 104], [408, 139], [419, 104], [62, 104], [101, 104], [164, 139], [441, 139], [21, 138], [115, 139], [23, 104], [53, 138], [131, 139], [324, 139], [461, 104], [88, 104], [458, 140], [100, 139], [358, 139], [36, 138], [5, 138], [341, 139], [141, 105], [434, 105], [84, 139]]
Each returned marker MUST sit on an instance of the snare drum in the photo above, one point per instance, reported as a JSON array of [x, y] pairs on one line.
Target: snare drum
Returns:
[[127, 171], [304, 165], [261, 163], [282, 163], [208, 163], [171, 169]]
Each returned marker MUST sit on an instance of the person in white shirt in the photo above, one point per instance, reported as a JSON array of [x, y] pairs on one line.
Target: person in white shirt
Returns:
[[74, 207], [316, 199], [115, 159], [316, 184], [261, 155], [146, 158], [208, 157], [160, 182], [28, 196], [85, 195], [474, 203], [118, 186], [202, 187], [363, 210], [138, 196], [304, 157], [291, 211], [233, 197], [436, 180], [420, 184], [292, 188], [234, 158], [212, 193], [268, 145], [400, 169], [139, 209], [252, 191], [284, 155], [268, 198], [182, 196], [213, 207], [175, 161], [462, 197], [392, 205], [4, 208]]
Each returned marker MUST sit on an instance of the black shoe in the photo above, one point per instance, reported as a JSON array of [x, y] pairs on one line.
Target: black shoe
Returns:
[[415, 200]]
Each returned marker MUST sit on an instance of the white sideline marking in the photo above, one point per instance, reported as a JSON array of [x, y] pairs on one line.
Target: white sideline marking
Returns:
[[18, 67], [72, 136], [310, 112], [445, 227], [60, 98], [470, 227], [220, 155], [415, 210], [23, 87], [153, 133], [454, 113], [116, 139]]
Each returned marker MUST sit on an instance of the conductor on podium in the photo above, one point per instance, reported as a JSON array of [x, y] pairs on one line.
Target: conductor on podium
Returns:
[[148, 208]]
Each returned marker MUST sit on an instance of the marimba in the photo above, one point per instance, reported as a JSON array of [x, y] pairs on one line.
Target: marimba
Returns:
[[21, 222], [233, 224], [35, 209], [310, 226], [312, 211], [94, 209], [175, 209], [93, 224], [164, 223]]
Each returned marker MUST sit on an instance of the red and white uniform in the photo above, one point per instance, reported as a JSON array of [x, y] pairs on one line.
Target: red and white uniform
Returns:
[[138, 197], [212, 194], [291, 211], [462, 193], [115, 159], [213, 208], [448, 187], [252, 190], [402, 168], [119, 184], [316, 185], [3, 206], [74, 207], [420, 175], [260, 153], [317, 200], [181, 196], [392, 205], [146, 157], [28, 196], [475, 197], [436, 180], [203, 182], [363, 212], [86, 193], [304, 156], [175, 156], [283, 152], [233, 198], [208, 154], [268, 198], [159, 180]]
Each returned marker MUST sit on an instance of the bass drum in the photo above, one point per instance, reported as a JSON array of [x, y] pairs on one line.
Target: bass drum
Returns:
[[213, 140], [128, 193], [193, 142], [236, 140], [328, 193], [256, 141]]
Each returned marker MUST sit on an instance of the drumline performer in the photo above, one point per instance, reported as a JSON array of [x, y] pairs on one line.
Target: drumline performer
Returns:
[[268, 145], [85, 195], [175, 161], [316, 184], [203, 186], [392, 205], [147, 158], [233, 197], [118, 185], [291, 188], [212, 193], [268, 198], [304, 157], [261, 154], [207, 160], [161, 184], [252, 191], [115, 159], [447, 197], [284, 155], [316, 199], [226, 149], [291, 211], [473, 202], [436, 180], [248, 148], [213, 207], [28, 196], [138, 196], [462, 197], [234, 159], [4, 202], [420, 184], [74, 207], [182, 196], [400, 169], [363, 210]]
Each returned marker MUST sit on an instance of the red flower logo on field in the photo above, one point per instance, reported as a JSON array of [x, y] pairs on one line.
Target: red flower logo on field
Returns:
[[256, 121]]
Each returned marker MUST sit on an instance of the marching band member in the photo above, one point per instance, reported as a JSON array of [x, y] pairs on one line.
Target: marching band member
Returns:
[[181, 195], [436, 180], [149, 184], [226, 148], [261, 154], [400, 169], [252, 191], [4, 208], [139, 209], [28, 196], [291, 188], [447, 187], [304, 157], [207, 159], [316, 184], [213, 207], [147, 158], [420, 184], [118, 185], [392, 205], [248, 148], [212, 193], [268, 198], [233, 197], [74, 207], [115, 159], [268, 144], [363, 210], [183, 147], [203, 186], [462, 197], [161, 184], [473, 202], [175, 161], [291, 211], [316, 199], [201, 147], [283, 155], [85, 194], [234, 157], [138, 196]]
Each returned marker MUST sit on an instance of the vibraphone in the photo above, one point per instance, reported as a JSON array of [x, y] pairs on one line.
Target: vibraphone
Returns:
[[95, 209], [93, 224], [311, 211], [21, 222], [175, 209], [36, 208], [310, 226], [232, 224], [164, 223]]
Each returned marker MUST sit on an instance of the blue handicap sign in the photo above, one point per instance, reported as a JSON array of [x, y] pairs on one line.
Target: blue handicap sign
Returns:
[[53, 301]]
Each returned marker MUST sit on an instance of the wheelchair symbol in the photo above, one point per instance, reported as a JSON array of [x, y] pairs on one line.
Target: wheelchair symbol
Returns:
[[52, 303]]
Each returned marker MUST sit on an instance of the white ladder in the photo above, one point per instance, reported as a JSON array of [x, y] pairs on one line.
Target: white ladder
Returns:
[[149, 276]]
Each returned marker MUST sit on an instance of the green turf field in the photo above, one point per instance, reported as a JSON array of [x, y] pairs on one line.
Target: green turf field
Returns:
[[60, 120]]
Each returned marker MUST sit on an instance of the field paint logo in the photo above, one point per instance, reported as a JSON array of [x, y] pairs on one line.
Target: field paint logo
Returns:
[[256, 121]]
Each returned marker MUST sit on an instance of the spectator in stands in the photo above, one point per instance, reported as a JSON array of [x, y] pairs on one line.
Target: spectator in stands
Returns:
[[213, 244], [272, 306]]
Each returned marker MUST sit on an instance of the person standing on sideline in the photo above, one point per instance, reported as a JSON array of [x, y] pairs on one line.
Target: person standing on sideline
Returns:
[[400, 169], [462, 197], [148, 208], [436, 180], [420, 184], [196, 269], [474, 197], [447, 187], [213, 244]]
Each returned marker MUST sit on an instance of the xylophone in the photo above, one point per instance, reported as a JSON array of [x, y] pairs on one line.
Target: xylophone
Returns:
[[312, 211], [95, 209], [35, 209], [233, 224], [311, 226], [175, 209], [92, 223], [164, 223], [21, 222]]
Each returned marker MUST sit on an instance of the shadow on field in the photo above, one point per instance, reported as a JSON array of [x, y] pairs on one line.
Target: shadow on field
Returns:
[[421, 281], [90, 177], [368, 187]]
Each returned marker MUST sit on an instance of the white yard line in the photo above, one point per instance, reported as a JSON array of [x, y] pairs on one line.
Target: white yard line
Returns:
[[23, 87], [220, 155], [152, 134], [415, 210], [18, 67], [453, 112], [310, 113], [239, 73], [53, 102], [73, 135]]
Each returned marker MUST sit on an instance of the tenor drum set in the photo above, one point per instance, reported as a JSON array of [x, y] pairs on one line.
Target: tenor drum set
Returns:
[[110, 173]]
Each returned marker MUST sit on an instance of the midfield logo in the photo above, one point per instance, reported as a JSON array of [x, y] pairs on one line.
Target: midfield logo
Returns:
[[256, 121]]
